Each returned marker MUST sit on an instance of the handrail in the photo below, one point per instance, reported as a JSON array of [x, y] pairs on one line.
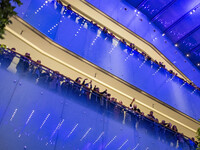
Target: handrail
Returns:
[[91, 77], [45, 68], [131, 32]]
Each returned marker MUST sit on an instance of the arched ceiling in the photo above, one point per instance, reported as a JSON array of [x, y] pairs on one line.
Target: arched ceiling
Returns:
[[179, 20]]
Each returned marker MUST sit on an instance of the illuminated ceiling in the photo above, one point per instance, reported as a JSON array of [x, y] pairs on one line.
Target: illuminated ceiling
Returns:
[[179, 20]]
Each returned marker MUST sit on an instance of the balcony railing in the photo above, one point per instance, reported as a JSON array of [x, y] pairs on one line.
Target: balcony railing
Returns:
[[88, 96], [67, 28]]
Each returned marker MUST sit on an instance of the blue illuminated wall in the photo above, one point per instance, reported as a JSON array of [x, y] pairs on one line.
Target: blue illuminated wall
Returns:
[[173, 18], [85, 39], [34, 118]]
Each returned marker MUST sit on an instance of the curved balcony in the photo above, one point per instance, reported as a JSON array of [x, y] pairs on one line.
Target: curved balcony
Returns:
[[80, 36], [42, 109]]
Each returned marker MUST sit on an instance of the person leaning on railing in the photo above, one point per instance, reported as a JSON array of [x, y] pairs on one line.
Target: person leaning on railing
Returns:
[[35, 70], [54, 81], [46, 75], [7, 57], [77, 86], [23, 65], [86, 88], [66, 86], [44, 78]]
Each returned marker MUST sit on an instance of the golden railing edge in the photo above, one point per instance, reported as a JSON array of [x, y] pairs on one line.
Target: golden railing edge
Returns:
[[93, 78]]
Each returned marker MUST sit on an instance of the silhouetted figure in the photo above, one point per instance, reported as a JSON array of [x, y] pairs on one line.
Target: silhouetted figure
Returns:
[[23, 65], [174, 128], [151, 116], [8, 56]]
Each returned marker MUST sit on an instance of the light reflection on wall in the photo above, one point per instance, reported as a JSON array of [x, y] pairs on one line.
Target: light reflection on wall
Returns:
[[108, 53]]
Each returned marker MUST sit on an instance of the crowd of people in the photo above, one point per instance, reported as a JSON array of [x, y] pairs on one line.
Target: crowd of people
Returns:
[[134, 48], [84, 89], [148, 58]]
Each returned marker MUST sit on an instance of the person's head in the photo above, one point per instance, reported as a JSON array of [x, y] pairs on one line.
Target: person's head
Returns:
[[69, 7], [163, 122], [108, 95], [169, 125], [57, 72], [193, 139], [27, 55], [174, 128], [151, 112], [39, 61], [13, 49], [135, 106], [79, 81], [112, 99]]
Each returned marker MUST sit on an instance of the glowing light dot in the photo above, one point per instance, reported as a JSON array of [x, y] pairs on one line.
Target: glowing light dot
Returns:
[[176, 45]]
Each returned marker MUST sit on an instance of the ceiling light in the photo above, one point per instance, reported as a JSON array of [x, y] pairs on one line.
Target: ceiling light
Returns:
[[198, 64], [176, 45], [187, 55], [163, 34]]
